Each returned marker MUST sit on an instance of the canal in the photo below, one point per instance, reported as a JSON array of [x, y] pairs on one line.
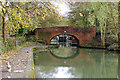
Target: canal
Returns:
[[73, 62]]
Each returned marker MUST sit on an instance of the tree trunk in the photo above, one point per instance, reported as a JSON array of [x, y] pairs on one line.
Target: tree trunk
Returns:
[[119, 39], [3, 30], [103, 37], [103, 41], [118, 24]]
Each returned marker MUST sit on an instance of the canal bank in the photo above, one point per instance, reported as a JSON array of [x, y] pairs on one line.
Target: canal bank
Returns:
[[19, 64], [113, 49], [22, 65]]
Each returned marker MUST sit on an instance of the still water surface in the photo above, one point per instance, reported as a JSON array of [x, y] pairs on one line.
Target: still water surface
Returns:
[[73, 62]]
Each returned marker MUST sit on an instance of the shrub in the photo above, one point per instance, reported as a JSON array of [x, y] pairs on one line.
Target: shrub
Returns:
[[113, 47], [111, 39], [33, 38], [9, 44], [21, 40]]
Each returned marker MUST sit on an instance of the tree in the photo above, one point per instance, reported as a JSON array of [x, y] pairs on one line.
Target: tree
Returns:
[[31, 15], [102, 15], [102, 12], [119, 25], [3, 14], [78, 17], [22, 16]]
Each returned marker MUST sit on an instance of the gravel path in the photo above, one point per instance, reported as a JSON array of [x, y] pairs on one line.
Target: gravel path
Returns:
[[21, 64]]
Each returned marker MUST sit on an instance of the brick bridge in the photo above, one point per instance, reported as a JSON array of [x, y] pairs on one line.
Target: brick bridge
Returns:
[[82, 34]]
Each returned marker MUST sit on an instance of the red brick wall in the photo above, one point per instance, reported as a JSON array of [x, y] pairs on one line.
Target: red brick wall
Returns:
[[82, 34]]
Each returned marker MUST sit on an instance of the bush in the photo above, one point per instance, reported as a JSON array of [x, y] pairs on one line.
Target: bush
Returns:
[[9, 44], [33, 38], [111, 39], [113, 47], [21, 40]]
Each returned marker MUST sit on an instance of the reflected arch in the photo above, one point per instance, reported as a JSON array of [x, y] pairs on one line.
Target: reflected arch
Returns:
[[60, 53]]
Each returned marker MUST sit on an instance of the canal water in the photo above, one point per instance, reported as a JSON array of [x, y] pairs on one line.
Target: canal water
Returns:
[[73, 62]]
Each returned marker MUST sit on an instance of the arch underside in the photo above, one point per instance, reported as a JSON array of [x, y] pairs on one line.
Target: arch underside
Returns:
[[65, 38]]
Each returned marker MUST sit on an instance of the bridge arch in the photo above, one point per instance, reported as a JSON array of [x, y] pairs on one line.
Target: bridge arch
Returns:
[[69, 34]]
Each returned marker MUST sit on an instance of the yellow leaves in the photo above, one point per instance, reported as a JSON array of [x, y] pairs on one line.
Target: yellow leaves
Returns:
[[45, 10], [3, 0], [23, 27], [77, 21], [21, 10], [36, 10], [38, 13], [73, 17], [80, 14], [61, 17], [73, 2], [19, 18], [17, 6], [15, 29], [4, 10], [48, 4], [26, 26], [43, 6], [43, 17], [31, 17]]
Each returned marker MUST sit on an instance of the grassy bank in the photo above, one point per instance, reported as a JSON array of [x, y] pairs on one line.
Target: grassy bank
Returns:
[[15, 50]]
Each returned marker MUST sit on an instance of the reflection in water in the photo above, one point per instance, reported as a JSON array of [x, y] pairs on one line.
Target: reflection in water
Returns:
[[88, 63], [59, 72], [64, 52], [62, 72]]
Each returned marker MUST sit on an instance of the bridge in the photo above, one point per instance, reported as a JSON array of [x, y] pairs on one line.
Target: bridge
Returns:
[[82, 34]]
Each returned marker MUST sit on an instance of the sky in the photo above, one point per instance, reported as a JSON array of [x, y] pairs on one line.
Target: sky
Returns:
[[63, 8]]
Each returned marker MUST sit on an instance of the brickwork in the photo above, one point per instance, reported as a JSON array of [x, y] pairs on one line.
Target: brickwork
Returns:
[[83, 34]]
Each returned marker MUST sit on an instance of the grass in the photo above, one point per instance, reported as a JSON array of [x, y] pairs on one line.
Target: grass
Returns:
[[14, 51]]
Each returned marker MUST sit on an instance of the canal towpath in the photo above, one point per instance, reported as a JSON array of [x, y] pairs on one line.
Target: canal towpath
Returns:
[[21, 64]]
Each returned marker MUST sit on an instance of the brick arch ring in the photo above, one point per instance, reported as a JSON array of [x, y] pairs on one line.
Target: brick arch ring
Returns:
[[66, 34]]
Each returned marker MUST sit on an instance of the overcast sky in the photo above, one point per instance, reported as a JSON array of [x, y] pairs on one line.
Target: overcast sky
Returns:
[[63, 8]]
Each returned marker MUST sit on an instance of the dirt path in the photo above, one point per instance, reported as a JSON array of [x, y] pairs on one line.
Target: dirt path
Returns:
[[21, 64]]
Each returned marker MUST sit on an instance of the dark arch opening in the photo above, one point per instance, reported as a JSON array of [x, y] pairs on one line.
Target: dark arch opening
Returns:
[[64, 40]]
